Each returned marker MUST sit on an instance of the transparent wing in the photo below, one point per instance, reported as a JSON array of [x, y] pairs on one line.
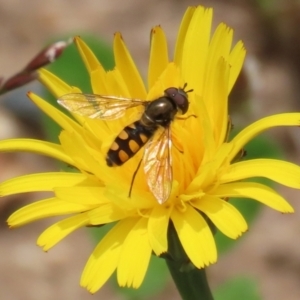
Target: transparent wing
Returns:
[[158, 165], [98, 106]]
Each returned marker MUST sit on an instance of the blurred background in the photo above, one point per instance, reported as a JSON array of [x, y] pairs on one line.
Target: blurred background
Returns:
[[269, 253]]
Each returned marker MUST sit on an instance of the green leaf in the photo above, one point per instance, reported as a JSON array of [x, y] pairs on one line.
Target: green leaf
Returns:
[[238, 289]]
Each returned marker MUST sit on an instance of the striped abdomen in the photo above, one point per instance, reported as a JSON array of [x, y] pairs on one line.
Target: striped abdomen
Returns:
[[131, 139]]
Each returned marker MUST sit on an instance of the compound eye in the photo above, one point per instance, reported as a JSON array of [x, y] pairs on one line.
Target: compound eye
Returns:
[[182, 102], [179, 96]]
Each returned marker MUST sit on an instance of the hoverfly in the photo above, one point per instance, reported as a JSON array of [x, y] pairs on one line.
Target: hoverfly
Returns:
[[152, 130]]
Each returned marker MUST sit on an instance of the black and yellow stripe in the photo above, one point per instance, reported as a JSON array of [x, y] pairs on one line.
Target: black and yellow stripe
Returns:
[[130, 140]]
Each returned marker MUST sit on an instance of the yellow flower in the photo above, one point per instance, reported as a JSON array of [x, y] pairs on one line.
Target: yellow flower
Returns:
[[205, 173]]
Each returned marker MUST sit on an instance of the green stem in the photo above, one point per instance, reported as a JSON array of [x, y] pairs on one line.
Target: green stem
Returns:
[[192, 285], [190, 281]]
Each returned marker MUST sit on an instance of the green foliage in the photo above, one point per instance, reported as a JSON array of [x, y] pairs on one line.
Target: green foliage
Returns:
[[238, 289]]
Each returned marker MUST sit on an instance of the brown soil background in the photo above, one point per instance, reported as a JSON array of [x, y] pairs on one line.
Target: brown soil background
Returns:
[[269, 251]]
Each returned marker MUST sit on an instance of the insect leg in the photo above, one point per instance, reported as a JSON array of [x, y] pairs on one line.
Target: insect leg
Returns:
[[133, 177], [185, 117]]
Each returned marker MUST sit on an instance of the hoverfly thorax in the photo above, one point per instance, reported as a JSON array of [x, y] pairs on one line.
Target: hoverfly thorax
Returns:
[[159, 112]]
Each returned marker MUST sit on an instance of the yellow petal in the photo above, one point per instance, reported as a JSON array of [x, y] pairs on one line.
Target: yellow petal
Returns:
[[55, 233], [94, 67], [126, 66], [256, 191], [158, 55], [208, 143], [90, 60], [196, 48], [116, 85], [208, 172], [60, 118], [55, 84], [36, 146], [280, 171], [118, 189], [39, 182], [88, 195], [104, 259], [77, 148], [195, 236], [106, 213], [157, 229], [43, 209], [220, 45], [216, 99], [135, 256], [247, 134], [184, 25], [225, 216], [170, 77], [98, 82], [236, 61]]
